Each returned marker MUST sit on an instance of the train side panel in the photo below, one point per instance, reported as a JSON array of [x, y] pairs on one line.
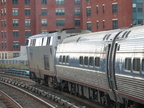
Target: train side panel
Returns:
[[129, 66]]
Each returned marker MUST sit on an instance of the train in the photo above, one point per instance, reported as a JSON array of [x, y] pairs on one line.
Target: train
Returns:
[[17, 72], [106, 67]]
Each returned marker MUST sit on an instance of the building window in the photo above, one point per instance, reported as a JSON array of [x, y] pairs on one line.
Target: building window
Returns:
[[140, 21], [43, 11], [77, 2], [77, 11], [97, 24], [115, 24], [103, 8], [15, 23], [60, 11], [103, 23], [27, 2], [44, 22], [15, 2], [43, 2], [89, 26], [59, 2], [44, 31], [134, 7], [60, 22], [88, 11], [15, 12], [15, 34], [3, 33], [27, 23], [4, 23], [5, 55], [15, 55], [16, 45], [27, 12], [3, 2], [4, 12], [88, 0], [2, 56], [114, 8], [77, 22], [27, 33], [3, 45], [1, 23], [139, 7], [97, 9]]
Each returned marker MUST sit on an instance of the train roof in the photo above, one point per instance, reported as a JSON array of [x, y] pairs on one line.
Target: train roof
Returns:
[[42, 35], [132, 32], [70, 31], [95, 36]]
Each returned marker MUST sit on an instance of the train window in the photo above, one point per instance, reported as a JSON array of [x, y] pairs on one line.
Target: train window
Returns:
[[67, 59], [91, 61], [46, 62], [64, 59], [60, 59], [97, 61], [85, 60], [142, 66], [81, 60], [33, 42], [48, 40], [42, 41], [128, 63], [136, 65]]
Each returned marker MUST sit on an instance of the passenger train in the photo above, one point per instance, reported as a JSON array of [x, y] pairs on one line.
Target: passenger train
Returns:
[[105, 67]]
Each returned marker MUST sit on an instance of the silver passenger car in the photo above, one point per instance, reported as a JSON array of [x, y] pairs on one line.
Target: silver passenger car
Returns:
[[82, 62], [104, 65]]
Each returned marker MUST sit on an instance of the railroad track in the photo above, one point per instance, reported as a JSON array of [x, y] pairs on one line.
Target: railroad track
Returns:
[[8, 101], [65, 100], [19, 98]]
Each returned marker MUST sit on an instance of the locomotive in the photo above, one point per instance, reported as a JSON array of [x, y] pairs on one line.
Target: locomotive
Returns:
[[106, 67]]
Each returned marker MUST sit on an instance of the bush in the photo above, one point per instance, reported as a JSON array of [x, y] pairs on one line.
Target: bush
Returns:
[[14, 66]]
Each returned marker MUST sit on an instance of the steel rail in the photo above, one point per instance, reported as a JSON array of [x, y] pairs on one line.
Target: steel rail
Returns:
[[10, 100], [33, 96]]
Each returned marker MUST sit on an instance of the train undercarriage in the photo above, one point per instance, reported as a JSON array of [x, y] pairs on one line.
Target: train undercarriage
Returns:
[[92, 94]]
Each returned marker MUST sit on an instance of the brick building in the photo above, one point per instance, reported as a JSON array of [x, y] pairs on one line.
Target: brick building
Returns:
[[22, 18]]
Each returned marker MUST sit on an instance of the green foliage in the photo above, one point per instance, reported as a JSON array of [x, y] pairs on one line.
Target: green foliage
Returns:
[[14, 66]]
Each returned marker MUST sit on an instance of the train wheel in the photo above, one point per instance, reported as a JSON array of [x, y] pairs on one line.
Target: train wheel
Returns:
[[32, 76], [50, 81]]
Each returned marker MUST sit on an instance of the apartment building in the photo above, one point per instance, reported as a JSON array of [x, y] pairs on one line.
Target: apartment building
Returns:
[[22, 18]]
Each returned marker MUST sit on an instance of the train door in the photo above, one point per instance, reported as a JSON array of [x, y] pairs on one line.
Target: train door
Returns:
[[111, 53]]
